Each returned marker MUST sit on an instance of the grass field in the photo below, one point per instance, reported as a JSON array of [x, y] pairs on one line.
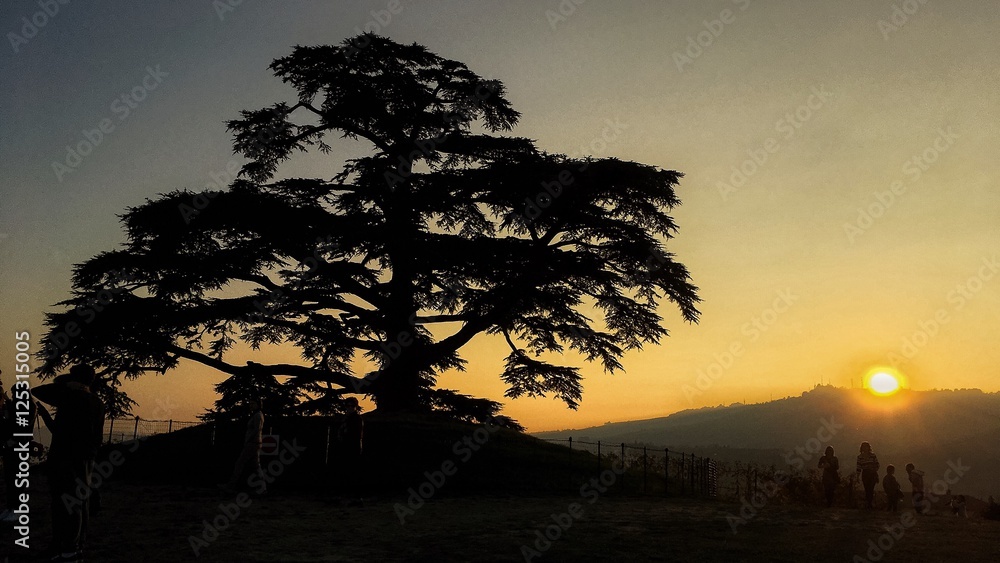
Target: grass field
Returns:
[[154, 524]]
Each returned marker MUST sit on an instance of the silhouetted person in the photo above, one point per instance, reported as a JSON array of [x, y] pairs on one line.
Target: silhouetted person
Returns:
[[917, 483], [94, 502], [868, 466], [831, 474], [958, 506], [351, 432], [351, 436], [77, 432], [8, 444], [250, 454], [893, 492]]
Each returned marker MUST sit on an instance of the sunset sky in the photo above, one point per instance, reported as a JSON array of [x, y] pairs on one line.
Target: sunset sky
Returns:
[[840, 199]]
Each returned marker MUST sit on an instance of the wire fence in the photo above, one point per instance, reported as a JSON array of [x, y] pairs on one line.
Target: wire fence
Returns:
[[640, 469], [125, 429], [659, 470], [121, 430], [667, 472]]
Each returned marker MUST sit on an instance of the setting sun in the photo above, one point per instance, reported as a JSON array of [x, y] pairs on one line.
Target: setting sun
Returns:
[[883, 383]]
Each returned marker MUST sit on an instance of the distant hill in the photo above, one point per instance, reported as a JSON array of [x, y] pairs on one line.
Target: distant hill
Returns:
[[928, 428]]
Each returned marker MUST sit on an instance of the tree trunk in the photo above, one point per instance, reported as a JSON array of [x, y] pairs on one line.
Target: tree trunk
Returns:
[[398, 389]]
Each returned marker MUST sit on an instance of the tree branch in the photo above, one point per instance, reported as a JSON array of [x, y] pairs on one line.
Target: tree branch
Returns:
[[300, 373]]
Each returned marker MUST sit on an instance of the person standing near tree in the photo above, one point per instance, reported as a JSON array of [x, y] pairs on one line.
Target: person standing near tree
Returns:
[[250, 454], [77, 433], [867, 467], [351, 435], [352, 432]]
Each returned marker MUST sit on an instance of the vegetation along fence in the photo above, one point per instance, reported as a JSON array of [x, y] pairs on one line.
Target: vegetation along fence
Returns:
[[659, 470], [641, 469]]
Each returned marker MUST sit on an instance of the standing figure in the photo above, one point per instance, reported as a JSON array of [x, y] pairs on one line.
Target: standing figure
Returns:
[[917, 482], [958, 506], [893, 492], [867, 467], [250, 454], [831, 474], [77, 433], [351, 435]]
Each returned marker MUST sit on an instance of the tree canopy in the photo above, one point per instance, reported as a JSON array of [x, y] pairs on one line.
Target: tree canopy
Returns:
[[382, 273]]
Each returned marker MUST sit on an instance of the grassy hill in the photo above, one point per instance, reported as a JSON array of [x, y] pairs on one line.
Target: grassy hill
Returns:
[[928, 428], [399, 451]]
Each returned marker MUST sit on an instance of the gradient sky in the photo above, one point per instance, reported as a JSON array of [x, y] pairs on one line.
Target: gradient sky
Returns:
[[833, 104]]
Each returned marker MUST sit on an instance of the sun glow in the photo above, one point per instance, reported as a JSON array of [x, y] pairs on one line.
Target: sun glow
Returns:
[[883, 382]]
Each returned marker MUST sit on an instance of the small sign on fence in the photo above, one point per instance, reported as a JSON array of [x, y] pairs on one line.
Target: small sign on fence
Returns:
[[269, 444]]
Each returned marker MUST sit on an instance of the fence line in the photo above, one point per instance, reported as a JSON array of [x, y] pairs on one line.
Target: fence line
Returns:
[[119, 430], [680, 473], [658, 471]]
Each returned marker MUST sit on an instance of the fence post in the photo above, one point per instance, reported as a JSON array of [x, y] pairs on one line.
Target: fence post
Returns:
[[135, 433], [701, 476], [644, 489], [622, 476], [713, 479], [110, 430], [666, 471], [570, 443], [693, 491], [683, 457], [707, 478], [748, 493], [326, 457], [598, 457], [170, 426]]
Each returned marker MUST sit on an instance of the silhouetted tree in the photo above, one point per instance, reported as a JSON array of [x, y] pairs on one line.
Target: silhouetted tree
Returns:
[[257, 384], [445, 224]]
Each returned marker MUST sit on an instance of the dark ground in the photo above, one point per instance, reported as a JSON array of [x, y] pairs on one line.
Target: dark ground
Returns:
[[155, 524]]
